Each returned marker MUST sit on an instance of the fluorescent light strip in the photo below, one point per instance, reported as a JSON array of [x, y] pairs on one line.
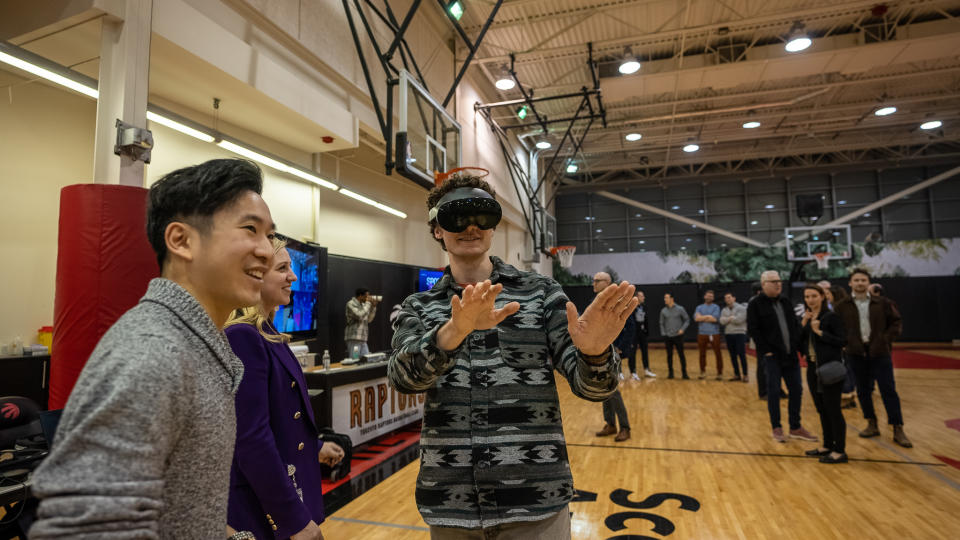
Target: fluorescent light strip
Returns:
[[187, 130], [311, 178], [197, 134], [48, 75], [371, 202]]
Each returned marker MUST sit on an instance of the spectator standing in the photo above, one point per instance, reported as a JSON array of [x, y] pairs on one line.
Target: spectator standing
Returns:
[[614, 410], [707, 316], [673, 323], [872, 323], [774, 329], [733, 317], [821, 341], [642, 335]]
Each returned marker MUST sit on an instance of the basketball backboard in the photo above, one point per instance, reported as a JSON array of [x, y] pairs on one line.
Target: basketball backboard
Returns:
[[427, 136], [803, 243]]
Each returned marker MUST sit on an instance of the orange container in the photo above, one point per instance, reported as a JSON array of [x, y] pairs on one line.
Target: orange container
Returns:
[[45, 337]]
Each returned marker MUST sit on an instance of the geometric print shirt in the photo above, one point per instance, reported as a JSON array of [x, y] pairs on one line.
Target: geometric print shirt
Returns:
[[491, 448]]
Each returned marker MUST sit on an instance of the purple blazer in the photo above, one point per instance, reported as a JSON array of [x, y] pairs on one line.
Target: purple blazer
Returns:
[[275, 429]]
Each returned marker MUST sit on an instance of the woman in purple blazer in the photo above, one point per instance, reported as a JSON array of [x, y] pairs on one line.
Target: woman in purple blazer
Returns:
[[275, 478]]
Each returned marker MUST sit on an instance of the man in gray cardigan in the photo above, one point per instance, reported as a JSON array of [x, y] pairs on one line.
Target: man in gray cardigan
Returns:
[[145, 443]]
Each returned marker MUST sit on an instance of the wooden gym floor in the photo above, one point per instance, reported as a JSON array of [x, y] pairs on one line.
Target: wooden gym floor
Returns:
[[708, 443]]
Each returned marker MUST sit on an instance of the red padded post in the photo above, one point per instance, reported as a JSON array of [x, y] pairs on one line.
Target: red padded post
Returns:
[[104, 263]]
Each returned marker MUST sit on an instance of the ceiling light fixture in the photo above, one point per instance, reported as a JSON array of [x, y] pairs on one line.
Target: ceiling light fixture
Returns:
[[48, 75], [630, 64], [632, 137], [932, 124], [885, 111], [751, 124], [455, 9], [231, 146], [543, 145], [691, 147], [505, 82], [182, 128], [798, 39], [572, 168]]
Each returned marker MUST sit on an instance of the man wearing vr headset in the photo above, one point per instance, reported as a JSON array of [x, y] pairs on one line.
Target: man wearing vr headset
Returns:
[[482, 344]]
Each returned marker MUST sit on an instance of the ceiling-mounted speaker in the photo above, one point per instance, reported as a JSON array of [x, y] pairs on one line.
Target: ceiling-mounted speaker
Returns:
[[810, 206]]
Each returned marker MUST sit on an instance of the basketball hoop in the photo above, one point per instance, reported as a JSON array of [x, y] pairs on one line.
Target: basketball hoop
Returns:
[[823, 260], [441, 177], [564, 254]]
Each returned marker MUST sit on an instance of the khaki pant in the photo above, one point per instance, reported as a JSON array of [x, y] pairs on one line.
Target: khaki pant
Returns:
[[555, 527]]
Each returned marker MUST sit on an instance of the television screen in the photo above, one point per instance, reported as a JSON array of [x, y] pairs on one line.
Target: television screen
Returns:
[[427, 279], [300, 315]]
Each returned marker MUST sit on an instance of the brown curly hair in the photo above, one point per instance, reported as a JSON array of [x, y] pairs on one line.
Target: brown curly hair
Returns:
[[452, 183]]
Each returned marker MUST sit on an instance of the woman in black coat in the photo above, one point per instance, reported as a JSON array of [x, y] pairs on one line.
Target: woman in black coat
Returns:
[[822, 338]]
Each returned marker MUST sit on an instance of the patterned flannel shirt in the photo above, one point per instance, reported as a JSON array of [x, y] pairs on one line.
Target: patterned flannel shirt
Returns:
[[492, 449], [359, 316]]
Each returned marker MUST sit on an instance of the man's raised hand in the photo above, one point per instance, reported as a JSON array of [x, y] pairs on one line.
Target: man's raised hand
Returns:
[[474, 311], [602, 321]]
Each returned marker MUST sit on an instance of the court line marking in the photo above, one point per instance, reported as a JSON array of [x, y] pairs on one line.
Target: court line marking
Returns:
[[925, 466], [757, 454], [380, 523]]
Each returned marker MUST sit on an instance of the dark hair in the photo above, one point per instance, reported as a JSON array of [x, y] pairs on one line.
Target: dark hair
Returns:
[[856, 271], [194, 194], [668, 294], [815, 287], [731, 294], [452, 183], [839, 294], [756, 287], [708, 291], [362, 291]]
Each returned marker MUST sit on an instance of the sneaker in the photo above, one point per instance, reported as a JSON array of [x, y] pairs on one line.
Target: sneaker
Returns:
[[719, 376], [686, 377], [649, 373], [607, 430], [803, 435], [745, 378], [734, 378], [778, 435], [635, 377], [623, 435], [621, 376], [816, 452], [670, 376], [702, 376]]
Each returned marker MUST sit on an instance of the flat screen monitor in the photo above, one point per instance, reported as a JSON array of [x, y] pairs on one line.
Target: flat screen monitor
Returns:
[[427, 279], [300, 317]]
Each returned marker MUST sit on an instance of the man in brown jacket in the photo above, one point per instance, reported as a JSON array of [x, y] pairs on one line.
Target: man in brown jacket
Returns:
[[872, 323]]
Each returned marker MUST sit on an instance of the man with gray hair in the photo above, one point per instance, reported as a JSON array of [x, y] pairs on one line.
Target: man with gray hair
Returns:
[[775, 331]]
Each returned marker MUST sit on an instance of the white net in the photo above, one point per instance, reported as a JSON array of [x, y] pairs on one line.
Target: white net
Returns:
[[823, 260], [564, 254]]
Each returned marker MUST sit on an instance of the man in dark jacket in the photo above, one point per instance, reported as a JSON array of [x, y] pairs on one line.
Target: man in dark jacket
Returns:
[[775, 331], [872, 323]]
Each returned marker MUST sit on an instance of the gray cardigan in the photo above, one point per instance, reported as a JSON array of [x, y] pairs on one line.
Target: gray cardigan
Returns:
[[145, 443], [734, 320]]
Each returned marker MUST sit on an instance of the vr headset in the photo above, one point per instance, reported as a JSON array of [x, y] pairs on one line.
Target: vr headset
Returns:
[[466, 206]]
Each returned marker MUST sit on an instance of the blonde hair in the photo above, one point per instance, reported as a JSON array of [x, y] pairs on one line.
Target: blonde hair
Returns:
[[254, 316]]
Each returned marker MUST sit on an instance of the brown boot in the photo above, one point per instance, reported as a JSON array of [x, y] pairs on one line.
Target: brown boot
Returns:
[[623, 435], [900, 437], [871, 429], [607, 430]]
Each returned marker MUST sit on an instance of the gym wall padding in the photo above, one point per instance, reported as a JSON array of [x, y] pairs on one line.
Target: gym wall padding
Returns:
[[104, 263]]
